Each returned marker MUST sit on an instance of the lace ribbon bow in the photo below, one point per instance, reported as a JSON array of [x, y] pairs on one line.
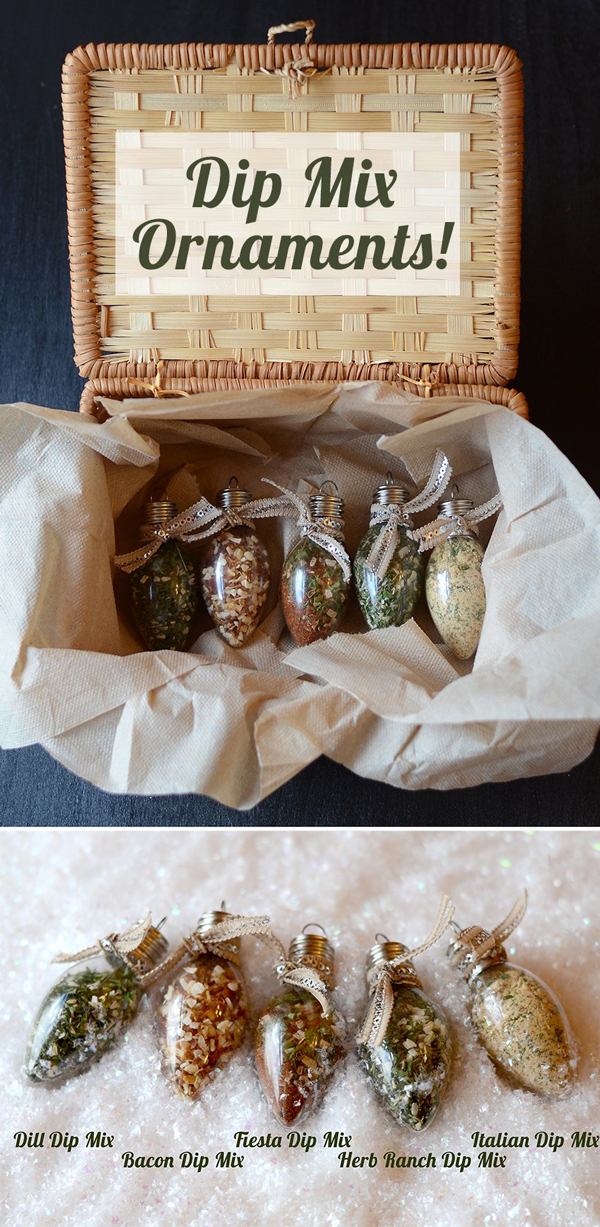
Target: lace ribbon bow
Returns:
[[311, 528], [391, 514], [120, 944], [381, 980], [432, 534], [200, 520]]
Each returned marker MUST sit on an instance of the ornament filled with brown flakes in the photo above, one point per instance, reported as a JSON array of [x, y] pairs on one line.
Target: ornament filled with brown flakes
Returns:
[[90, 1006], [516, 1016], [300, 1035], [234, 571], [200, 1009]]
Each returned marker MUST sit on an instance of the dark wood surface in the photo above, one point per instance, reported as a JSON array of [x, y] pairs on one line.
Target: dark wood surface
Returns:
[[559, 45]]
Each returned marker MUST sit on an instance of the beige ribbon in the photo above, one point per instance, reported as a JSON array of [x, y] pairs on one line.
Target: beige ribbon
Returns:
[[393, 515], [490, 941], [120, 944], [200, 520], [381, 979], [313, 527], [432, 534], [216, 940]]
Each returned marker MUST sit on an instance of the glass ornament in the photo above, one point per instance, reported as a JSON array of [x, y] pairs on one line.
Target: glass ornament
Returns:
[[516, 1017], [164, 588], [201, 1009], [300, 1035], [89, 1006], [235, 572], [410, 1067], [315, 581], [388, 599]]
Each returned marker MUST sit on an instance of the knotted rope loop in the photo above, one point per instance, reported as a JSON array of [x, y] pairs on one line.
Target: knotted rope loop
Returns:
[[299, 70]]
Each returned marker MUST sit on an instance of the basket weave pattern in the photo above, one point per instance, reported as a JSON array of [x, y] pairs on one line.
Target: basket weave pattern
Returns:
[[470, 339]]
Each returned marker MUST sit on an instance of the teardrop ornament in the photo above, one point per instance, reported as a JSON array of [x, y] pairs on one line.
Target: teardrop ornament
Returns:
[[314, 588], [516, 1017], [88, 1008], [164, 590], [411, 1069], [297, 1043], [455, 593], [388, 568], [404, 1043], [201, 1021], [235, 573]]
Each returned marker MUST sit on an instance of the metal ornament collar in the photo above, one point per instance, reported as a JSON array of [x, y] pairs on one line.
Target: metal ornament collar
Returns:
[[475, 948], [438, 530]]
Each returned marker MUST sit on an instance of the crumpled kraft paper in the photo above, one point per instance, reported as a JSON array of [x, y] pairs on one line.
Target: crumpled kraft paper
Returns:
[[392, 704]]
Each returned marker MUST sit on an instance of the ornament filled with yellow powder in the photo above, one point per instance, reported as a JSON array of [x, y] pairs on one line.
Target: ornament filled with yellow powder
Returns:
[[454, 584], [516, 1016]]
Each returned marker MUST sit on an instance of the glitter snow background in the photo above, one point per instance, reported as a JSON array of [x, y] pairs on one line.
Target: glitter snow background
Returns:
[[63, 888]]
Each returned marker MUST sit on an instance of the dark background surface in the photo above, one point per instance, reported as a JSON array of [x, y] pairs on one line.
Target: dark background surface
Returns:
[[559, 45]]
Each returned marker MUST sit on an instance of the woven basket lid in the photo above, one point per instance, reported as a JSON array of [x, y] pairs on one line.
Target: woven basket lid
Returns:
[[469, 89]]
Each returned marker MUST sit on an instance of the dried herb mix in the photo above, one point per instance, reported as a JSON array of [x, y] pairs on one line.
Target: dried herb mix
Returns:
[[85, 1011], [456, 594], [523, 1028], [164, 588], [315, 581], [516, 1017], [297, 1048], [234, 574], [164, 598], [410, 1069], [454, 584], [80, 1017], [201, 1021], [314, 593], [389, 601]]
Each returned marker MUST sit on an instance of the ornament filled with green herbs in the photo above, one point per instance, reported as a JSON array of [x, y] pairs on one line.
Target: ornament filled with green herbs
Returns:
[[89, 1007], [405, 1044], [316, 575], [164, 588], [388, 568]]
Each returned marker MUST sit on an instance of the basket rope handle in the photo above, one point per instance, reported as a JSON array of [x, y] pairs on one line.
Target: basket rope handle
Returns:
[[290, 28]]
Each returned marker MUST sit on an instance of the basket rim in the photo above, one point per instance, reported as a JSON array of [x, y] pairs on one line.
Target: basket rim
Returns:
[[79, 64]]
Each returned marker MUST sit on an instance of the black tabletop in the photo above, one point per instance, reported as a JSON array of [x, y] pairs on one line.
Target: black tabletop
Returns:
[[559, 46]]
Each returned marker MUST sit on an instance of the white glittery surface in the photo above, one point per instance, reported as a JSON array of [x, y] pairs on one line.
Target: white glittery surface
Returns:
[[62, 889]]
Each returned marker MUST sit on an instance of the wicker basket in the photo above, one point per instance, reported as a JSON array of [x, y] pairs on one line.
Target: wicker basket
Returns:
[[464, 345]]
